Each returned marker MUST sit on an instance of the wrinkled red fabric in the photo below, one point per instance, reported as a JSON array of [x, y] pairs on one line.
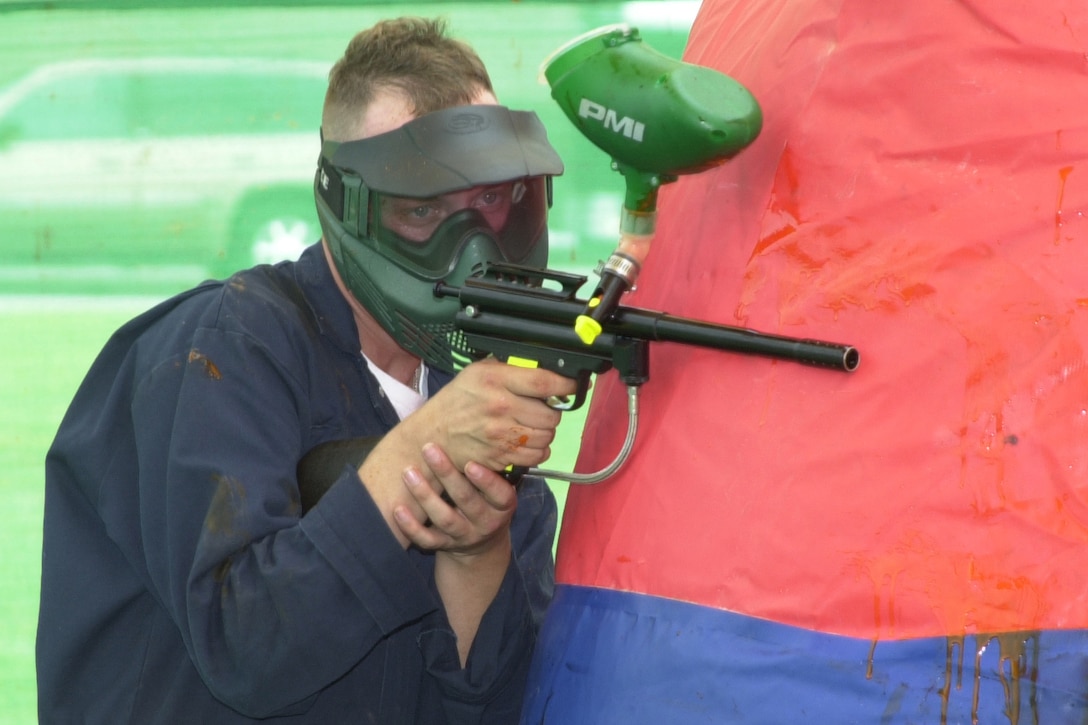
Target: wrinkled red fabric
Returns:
[[919, 191]]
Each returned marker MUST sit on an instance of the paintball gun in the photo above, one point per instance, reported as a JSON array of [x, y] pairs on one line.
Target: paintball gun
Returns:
[[517, 314]]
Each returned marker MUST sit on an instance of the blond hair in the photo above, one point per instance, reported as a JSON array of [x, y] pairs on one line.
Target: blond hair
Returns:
[[412, 55]]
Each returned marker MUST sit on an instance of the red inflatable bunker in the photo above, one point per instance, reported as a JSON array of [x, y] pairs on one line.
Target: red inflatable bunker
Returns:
[[906, 542]]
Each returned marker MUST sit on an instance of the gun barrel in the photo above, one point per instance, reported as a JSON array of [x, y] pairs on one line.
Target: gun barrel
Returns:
[[520, 304], [663, 327]]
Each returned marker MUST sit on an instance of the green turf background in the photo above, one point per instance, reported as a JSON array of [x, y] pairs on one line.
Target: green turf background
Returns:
[[48, 341]]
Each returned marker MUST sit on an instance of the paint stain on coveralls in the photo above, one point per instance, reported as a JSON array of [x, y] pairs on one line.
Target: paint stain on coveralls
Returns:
[[227, 501], [210, 368]]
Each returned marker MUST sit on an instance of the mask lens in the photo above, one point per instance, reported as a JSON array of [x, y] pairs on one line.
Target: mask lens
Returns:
[[416, 220], [427, 234]]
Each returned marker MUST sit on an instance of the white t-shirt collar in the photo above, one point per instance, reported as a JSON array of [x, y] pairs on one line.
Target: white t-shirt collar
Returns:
[[405, 400]]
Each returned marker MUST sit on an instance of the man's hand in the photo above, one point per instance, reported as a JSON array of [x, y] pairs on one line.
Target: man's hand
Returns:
[[491, 413], [494, 414], [477, 517]]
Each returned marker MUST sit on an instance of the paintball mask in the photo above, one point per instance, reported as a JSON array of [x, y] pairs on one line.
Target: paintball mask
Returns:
[[438, 199]]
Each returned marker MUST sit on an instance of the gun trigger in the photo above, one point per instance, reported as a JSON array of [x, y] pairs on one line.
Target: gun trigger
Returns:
[[561, 403]]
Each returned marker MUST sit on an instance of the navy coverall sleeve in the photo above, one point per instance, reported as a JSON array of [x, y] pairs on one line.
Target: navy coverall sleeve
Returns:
[[499, 659]]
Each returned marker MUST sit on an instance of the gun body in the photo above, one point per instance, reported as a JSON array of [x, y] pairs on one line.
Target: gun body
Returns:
[[517, 312]]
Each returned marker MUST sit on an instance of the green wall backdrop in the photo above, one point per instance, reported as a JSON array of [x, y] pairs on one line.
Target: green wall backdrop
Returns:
[[147, 146]]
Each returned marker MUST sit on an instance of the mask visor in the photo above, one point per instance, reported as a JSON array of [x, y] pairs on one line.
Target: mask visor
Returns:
[[427, 235]]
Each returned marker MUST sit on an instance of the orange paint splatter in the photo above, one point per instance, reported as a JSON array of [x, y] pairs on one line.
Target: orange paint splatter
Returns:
[[210, 368], [1063, 176], [516, 441]]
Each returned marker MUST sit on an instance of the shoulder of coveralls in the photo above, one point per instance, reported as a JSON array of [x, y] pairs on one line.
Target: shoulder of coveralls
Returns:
[[267, 301]]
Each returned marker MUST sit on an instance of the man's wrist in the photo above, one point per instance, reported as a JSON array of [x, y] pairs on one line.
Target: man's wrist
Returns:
[[495, 551]]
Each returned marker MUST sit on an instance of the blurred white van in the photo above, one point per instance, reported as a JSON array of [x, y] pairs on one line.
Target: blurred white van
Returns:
[[201, 165]]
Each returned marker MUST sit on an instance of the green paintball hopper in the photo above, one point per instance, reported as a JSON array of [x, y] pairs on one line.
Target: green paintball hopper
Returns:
[[656, 117]]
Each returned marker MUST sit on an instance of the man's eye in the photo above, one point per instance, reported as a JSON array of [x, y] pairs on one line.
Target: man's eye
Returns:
[[414, 213], [491, 197]]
